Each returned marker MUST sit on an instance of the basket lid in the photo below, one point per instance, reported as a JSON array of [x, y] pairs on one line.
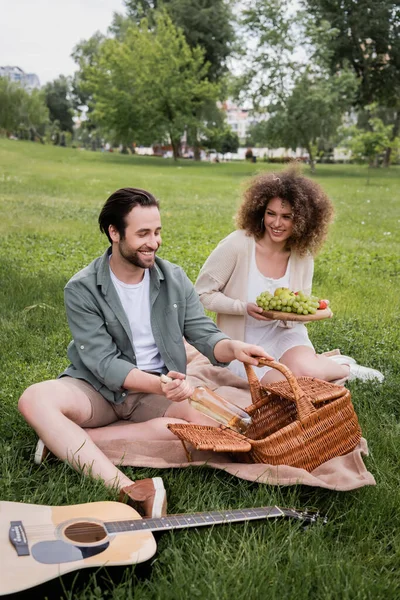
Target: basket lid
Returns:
[[317, 390], [205, 437]]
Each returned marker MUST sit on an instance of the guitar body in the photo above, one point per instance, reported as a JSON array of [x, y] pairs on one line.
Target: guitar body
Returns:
[[39, 543], [61, 539]]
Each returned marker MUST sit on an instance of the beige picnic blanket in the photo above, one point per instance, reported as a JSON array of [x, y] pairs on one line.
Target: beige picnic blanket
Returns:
[[341, 473]]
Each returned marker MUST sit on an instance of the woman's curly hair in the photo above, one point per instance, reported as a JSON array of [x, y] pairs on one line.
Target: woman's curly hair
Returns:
[[312, 209]]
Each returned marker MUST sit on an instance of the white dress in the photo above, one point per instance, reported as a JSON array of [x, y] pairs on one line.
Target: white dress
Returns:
[[275, 339]]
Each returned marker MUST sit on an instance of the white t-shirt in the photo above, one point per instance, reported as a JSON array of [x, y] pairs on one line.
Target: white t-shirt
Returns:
[[135, 300]]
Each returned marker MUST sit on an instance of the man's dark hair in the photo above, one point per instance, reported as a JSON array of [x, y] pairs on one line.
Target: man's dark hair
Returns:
[[119, 204]]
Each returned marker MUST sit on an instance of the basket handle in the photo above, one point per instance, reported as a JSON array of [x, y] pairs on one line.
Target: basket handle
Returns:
[[303, 403]]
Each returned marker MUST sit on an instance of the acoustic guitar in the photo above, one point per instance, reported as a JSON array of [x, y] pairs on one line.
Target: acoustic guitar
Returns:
[[39, 543]]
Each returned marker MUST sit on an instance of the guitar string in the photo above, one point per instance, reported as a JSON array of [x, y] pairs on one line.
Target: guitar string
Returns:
[[38, 530], [243, 515], [169, 521]]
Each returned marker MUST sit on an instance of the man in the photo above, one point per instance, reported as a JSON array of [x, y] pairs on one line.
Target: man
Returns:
[[128, 312]]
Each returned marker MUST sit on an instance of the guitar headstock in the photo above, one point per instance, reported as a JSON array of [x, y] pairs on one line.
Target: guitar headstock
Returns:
[[308, 517]]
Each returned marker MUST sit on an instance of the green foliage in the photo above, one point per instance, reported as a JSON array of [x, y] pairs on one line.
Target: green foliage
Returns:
[[364, 35], [206, 24], [58, 100], [273, 32], [222, 140], [147, 85], [20, 109], [367, 145], [312, 111]]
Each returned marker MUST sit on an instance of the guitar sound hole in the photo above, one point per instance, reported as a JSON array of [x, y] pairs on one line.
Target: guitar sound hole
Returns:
[[85, 533]]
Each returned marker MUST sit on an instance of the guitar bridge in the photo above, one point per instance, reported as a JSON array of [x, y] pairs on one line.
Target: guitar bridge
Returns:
[[18, 538]]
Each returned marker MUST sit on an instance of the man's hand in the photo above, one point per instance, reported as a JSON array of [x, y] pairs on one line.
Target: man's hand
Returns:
[[246, 352], [178, 389], [227, 350], [255, 311]]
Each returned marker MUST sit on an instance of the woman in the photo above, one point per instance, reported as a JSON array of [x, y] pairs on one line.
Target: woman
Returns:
[[282, 222]]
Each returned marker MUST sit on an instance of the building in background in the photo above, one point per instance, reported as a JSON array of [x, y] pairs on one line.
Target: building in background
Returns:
[[29, 81], [238, 119]]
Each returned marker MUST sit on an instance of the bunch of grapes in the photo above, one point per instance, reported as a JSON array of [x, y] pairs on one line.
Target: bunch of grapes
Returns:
[[286, 301]]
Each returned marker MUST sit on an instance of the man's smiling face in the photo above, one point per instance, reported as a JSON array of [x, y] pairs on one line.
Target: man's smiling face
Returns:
[[142, 236]]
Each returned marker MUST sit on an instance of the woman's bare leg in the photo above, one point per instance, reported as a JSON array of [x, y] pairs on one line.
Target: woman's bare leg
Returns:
[[303, 362]]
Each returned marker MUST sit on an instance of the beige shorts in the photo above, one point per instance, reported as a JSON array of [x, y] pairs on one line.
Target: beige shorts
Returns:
[[137, 406]]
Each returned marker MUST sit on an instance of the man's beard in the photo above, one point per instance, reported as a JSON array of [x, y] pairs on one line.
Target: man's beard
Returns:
[[133, 257]]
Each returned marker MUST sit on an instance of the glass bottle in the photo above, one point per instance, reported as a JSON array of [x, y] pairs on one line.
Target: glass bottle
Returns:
[[214, 406], [219, 409]]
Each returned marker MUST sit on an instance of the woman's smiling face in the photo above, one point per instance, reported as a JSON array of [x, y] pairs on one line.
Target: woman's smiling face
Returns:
[[278, 220]]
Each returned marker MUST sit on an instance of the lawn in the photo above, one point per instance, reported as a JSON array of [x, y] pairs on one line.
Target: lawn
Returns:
[[50, 200]]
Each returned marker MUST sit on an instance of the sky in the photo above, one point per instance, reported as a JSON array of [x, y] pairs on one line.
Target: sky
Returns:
[[39, 35]]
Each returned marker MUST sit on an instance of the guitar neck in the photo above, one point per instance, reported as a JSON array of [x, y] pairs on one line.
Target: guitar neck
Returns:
[[199, 519]]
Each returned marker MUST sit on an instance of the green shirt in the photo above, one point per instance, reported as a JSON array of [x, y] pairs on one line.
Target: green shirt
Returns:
[[102, 351]]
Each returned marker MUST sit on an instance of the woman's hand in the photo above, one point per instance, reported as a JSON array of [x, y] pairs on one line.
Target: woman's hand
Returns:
[[255, 311], [177, 388]]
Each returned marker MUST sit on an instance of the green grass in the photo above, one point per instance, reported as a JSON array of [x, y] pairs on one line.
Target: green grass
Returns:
[[50, 200]]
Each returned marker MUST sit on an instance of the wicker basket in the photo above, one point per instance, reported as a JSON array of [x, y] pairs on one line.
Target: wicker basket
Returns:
[[299, 422]]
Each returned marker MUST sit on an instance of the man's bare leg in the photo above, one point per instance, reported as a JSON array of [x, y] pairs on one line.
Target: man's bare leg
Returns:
[[56, 412], [155, 429]]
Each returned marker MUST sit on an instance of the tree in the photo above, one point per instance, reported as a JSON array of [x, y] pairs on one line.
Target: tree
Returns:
[[222, 140], [148, 84], [257, 134], [58, 100], [21, 110], [366, 36], [312, 110], [34, 114], [369, 143], [205, 23], [270, 63], [85, 55], [10, 100]]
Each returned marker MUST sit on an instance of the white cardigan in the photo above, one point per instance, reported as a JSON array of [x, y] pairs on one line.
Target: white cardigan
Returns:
[[222, 281]]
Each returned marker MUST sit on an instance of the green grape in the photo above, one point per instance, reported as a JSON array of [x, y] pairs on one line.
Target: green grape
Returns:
[[286, 301]]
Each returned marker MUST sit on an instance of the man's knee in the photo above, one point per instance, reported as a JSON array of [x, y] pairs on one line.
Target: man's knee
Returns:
[[52, 397], [31, 401]]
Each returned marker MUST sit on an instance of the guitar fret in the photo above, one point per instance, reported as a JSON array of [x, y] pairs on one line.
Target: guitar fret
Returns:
[[198, 519]]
